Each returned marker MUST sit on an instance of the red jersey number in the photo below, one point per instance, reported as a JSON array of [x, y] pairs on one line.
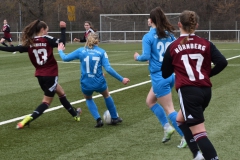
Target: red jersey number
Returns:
[[198, 66], [41, 56]]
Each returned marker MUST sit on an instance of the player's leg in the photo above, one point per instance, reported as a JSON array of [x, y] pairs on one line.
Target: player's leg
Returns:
[[2, 42], [157, 109], [10, 41], [189, 137], [75, 112], [160, 114], [44, 83], [110, 106], [198, 129], [92, 107]]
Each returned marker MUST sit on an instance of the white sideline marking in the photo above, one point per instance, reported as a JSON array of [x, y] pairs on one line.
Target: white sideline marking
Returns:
[[233, 57], [76, 102]]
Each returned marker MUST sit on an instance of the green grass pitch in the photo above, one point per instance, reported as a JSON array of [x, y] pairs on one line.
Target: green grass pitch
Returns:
[[56, 136]]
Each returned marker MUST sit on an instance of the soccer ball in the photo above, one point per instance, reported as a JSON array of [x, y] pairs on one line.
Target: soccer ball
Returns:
[[107, 117]]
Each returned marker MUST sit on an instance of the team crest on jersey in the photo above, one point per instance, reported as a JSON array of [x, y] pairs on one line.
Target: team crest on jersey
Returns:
[[155, 36]]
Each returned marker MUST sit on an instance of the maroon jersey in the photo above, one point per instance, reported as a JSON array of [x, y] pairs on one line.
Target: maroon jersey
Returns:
[[191, 61], [41, 56], [6, 30], [86, 34]]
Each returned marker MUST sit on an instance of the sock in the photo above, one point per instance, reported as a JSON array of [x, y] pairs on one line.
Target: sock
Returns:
[[111, 107], [39, 110], [67, 105], [209, 152], [160, 114], [93, 109], [189, 139], [173, 116], [3, 43]]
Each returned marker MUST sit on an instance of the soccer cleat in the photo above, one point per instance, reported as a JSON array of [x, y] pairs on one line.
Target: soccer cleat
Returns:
[[199, 156], [167, 134], [24, 122], [116, 121], [77, 117], [183, 143], [99, 124]]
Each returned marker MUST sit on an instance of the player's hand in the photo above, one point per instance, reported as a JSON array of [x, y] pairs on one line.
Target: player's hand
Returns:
[[125, 81], [135, 56], [61, 46], [62, 24], [76, 40]]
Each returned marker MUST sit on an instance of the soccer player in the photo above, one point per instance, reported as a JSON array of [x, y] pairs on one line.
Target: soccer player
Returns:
[[7, 36], [190, 57], [40, 46], [154, 45], [92, 59], [89, 29]]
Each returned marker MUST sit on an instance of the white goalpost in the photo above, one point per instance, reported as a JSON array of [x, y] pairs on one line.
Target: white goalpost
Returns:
[[127, 27]]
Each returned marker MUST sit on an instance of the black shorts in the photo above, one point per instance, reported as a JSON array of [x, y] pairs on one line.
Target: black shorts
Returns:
[[193, 102], [48, 84], [8, 39]]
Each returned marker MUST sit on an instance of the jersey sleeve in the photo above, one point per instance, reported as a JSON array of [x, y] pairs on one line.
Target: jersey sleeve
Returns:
[[218, 60], [146, 44], [21, 49], [109, 69], [69, 57], [7, 29], [54, 41], [83, 39], [167, 67]]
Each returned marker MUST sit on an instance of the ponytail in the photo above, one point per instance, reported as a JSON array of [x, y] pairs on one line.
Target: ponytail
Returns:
[[31, 30]]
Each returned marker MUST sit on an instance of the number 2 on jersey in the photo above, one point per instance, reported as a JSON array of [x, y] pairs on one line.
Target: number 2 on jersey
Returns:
[[97, 59], [162, 47], [188, 67]]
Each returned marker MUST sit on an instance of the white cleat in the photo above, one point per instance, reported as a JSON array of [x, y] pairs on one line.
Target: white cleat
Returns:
[[199, 156]]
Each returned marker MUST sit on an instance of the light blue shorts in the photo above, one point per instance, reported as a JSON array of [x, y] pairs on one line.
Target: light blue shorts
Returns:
[[89, 91], [161, 86]]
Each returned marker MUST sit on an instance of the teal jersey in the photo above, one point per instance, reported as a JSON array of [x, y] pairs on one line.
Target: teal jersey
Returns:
[[92, 61], [153, 49]]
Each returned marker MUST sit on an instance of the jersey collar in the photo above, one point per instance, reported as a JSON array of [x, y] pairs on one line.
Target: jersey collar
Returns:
[[184, 35]]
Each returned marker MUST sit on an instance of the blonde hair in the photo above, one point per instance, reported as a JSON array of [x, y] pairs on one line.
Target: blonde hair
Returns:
[[92, 40]]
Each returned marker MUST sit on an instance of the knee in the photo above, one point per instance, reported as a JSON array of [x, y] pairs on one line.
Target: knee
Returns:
[[150, 103]]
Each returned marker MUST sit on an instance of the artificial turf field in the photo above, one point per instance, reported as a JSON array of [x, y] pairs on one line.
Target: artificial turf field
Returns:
[[55, 135]]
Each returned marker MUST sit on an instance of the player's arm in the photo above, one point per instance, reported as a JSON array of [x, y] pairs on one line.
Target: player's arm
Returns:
[[83, 39], [167, 67], [109, 69], [218, 60], [67, 57], [21, 49], [146, 48], [54, 41]]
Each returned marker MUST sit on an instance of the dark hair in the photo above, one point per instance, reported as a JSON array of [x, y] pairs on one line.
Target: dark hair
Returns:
[[160, 20], [189, 20], [31, 30], [91, 25]]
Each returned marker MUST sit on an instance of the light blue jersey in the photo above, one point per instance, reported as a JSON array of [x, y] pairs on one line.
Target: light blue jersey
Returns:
[[153, 51], [92, 61]]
